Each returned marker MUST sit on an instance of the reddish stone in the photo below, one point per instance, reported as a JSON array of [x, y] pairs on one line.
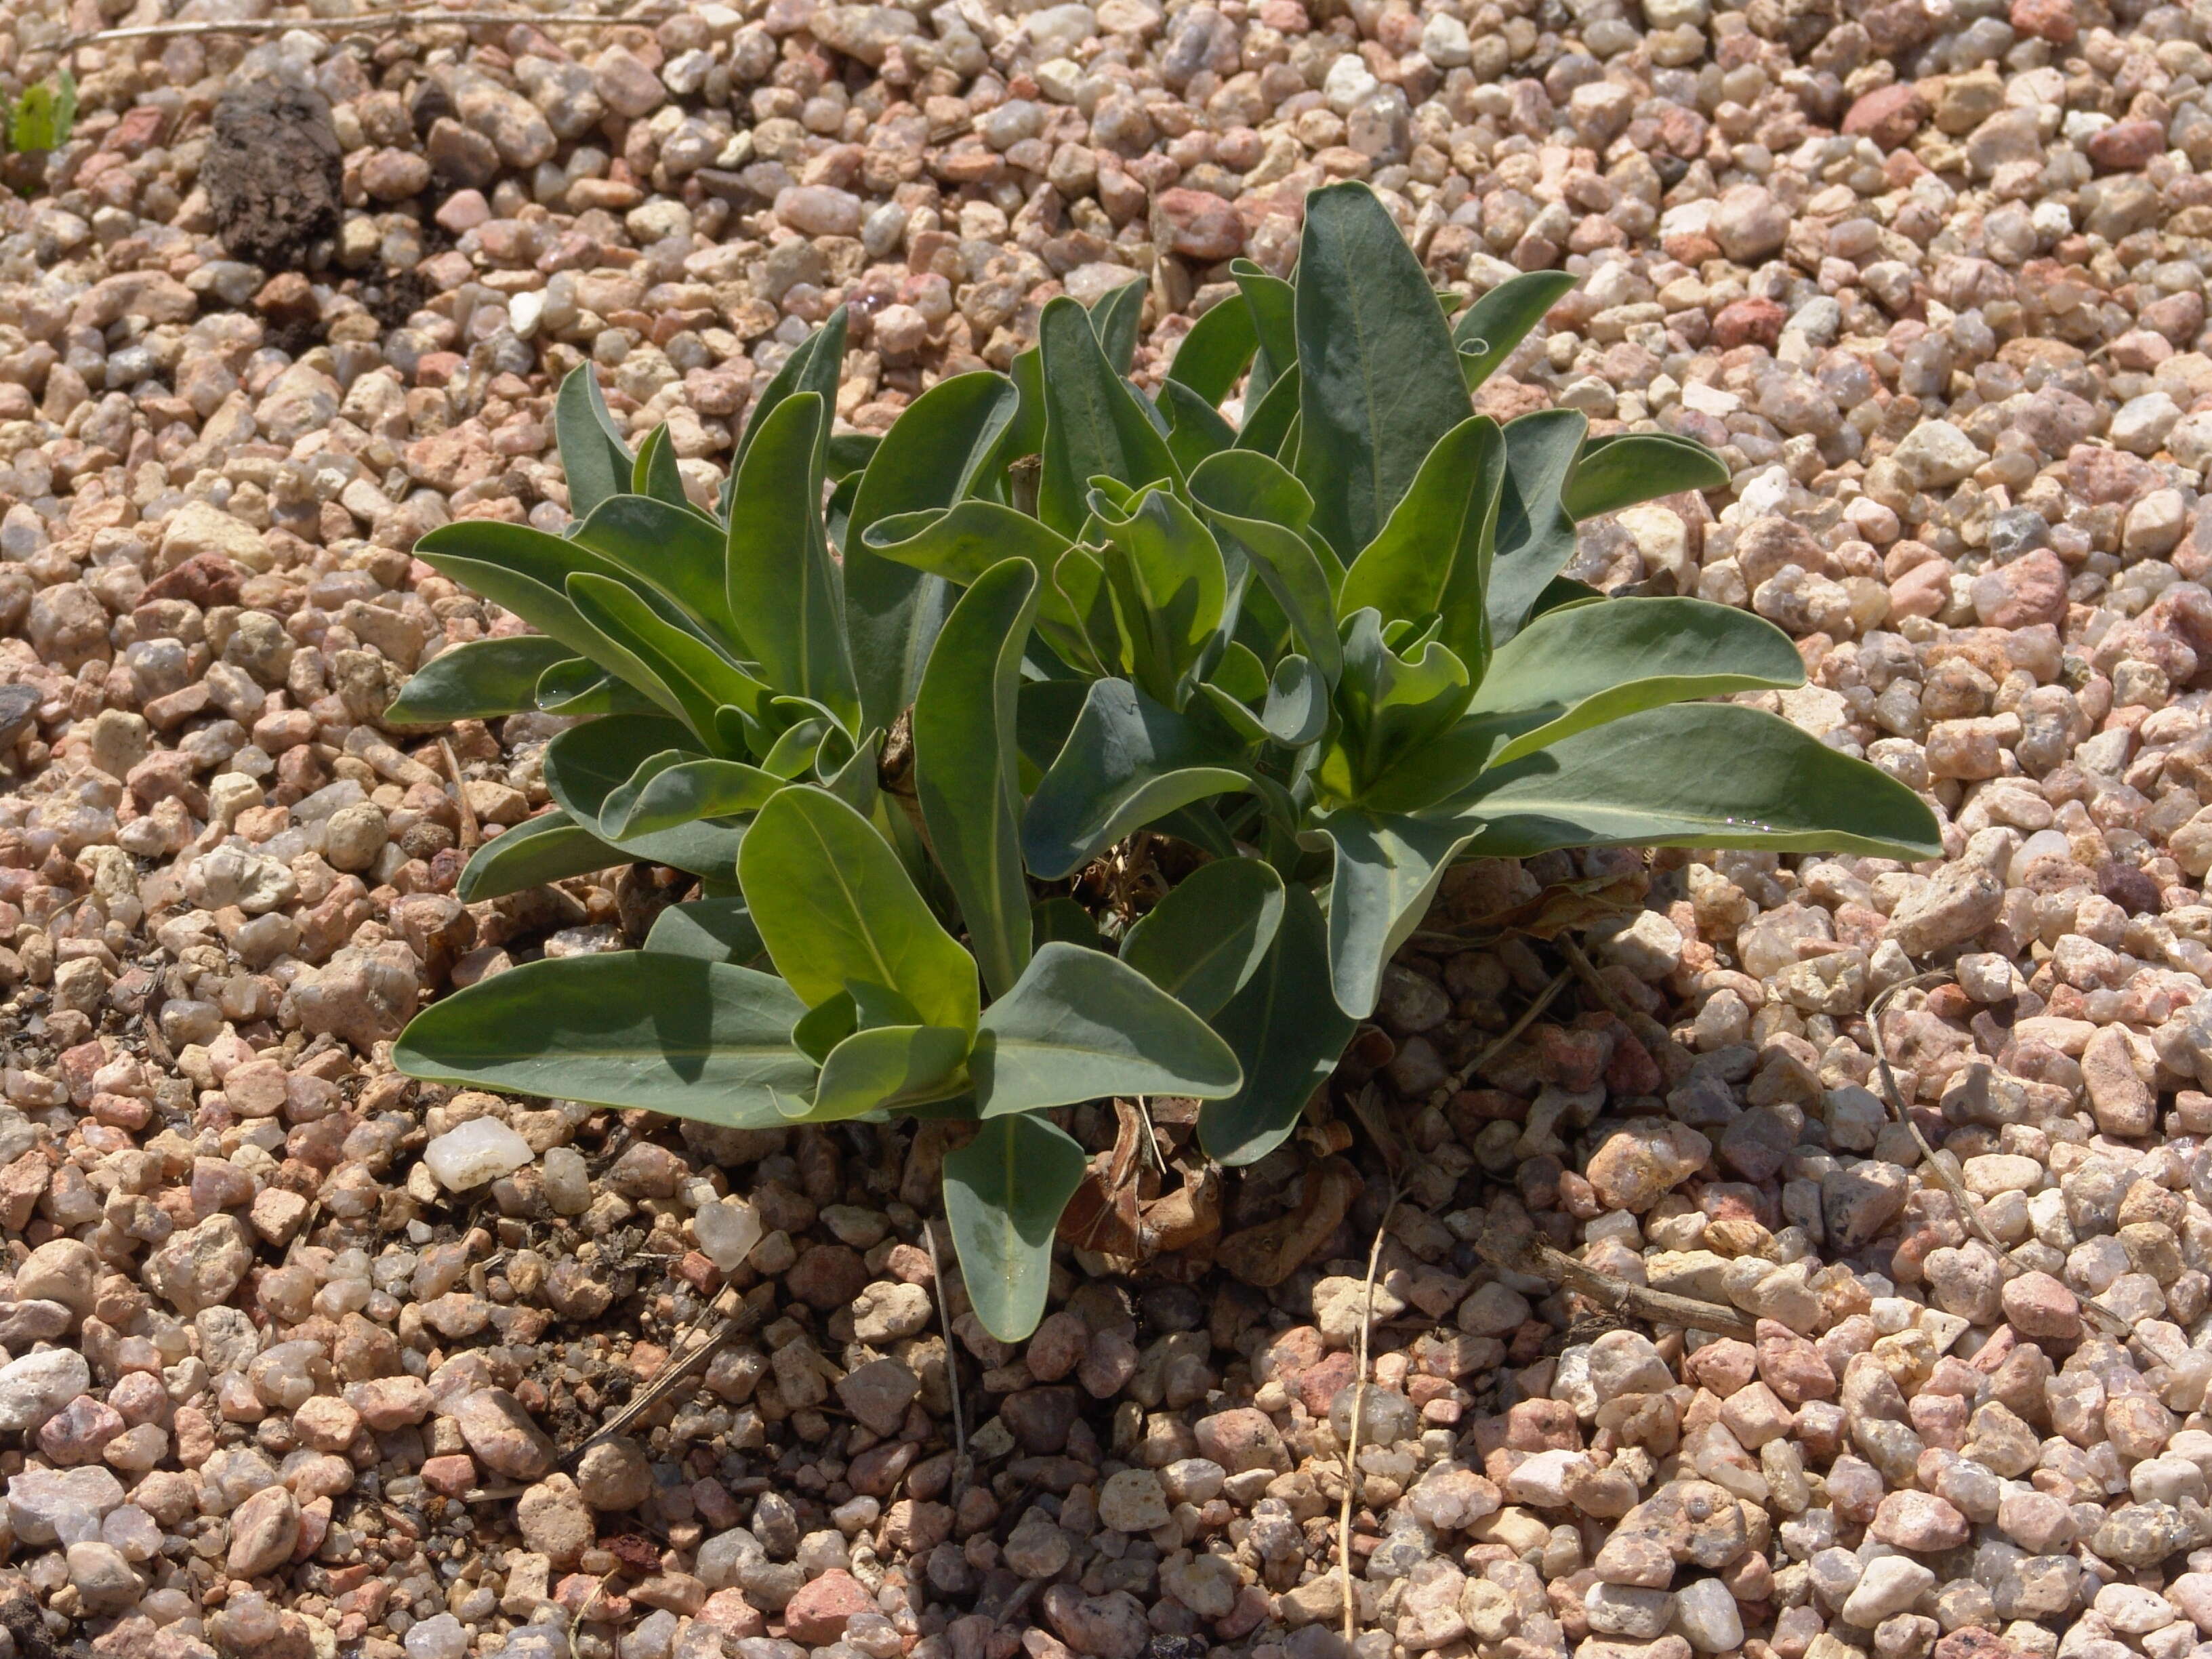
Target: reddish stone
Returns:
[[451, 1476], [2049, 20], [204, 580], [816, 1616], [1748, 322], [1197, 225], [2125, 146], [1889, 115]]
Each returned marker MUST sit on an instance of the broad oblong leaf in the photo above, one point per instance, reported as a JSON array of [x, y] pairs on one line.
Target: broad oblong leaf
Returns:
[[1094, 423], [1004, 1193], [1080, 1025], [1214, 356], [653, 473], [666, 657], [1619, 471], [1202, 941], [594, 458], [967, 767], [480, 680], [783, 586], [1488, 329], [1128, 761], [1536, 537], [816, 367], [931, 458], [1379, 380], [1287, 1033], [710, 929], [836, 907], [1169, 585], [1271, 304], [1697, 775], [1577, 668], [551, 847], [635, 1029], [587, 764], [688, 790], [1387, 870], [522, 570], [885, 1067], [1433, 556], [669, 548], [1195, 428], [1115, 319], [1254, 501]]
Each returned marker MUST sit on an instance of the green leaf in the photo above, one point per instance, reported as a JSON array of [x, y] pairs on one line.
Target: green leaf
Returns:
[[1489, 330], [1045, 713], [1380, 381], [933, 455], [673, 549], [1271, 421], [1287, 1033], [1432, 558], [525, 571], [1196, 428], [1116, 318], [1061, 918], [1094, 423], [1253, 500], [653, 473], [580, 688], [1390, 707], [834, 904], [1619, 471], [1272, 305], [817, 366], [1580, 667], [1536, 536], [850, 452], [1202, 941], [1387, 870], [697, 680], [1128, 761], [1296, 711], [886, 1067], [967, 766], [593, 454], [587, 764], [637, 1028], [1697, 775], [783, 586], [480, 680], [1080, 1025], [550, 847], [710, 929], [1212, 357], [1169, 587], [825, 1025], [1004, 1193], [687, 790]]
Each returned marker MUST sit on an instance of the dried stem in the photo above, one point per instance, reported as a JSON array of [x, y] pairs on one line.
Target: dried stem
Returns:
[[1511, 1033], [1518, 1250], [951, 1359], [740, 1317], [471, 831], [1969, 1212], [1358, 1418]]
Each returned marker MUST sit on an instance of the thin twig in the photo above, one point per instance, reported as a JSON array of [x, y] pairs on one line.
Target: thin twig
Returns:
[[1593, 983], [1519, 1250], [960, 1466], [383, 20], [1511, 1034], [1969, 1212], [740, 1317], [1359, 1418], [471, 831]]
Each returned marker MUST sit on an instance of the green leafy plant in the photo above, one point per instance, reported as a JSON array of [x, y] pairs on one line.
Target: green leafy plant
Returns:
[[42, 118], [892, 700]]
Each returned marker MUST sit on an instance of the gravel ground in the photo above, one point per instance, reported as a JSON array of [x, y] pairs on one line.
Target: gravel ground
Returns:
[[299, 1354]]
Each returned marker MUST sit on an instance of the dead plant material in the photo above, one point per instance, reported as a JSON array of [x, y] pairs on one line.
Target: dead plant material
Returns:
[[1517, 1249], [1270, 1253], [740, 1317], [1359, 1415]]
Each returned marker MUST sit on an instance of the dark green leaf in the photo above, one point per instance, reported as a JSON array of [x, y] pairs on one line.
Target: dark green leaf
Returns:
[[522, 570], [672, 549], [1081, 1025], [1094, 423], [850, 452], [1380, 382], [666, 657], [1619, 471], [1697, 775], [966, 765], [1493, 325], [1536, 536], [578, 687], [1578, 668], [834, 905], [1045, 713], [784, 588], [1272, 305], [1562, 593], [1296, 711], [1287, 1033], [817, 366], [826, 1025], [687, 790], [1004, 1193], [1202, 941], [885, 1067], [1061, 918], [932, 456], [1387, 870], [633, 1029], [593, 454], [1390, 707], [1128, 761], [1169, 587], [711, 929], [587, 764], [551, 847], [1212, 357], [1254, 501], [1432, 558], [653, 473], [1271, 422], [1195, 428], [1114, 319], [480, 680]]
